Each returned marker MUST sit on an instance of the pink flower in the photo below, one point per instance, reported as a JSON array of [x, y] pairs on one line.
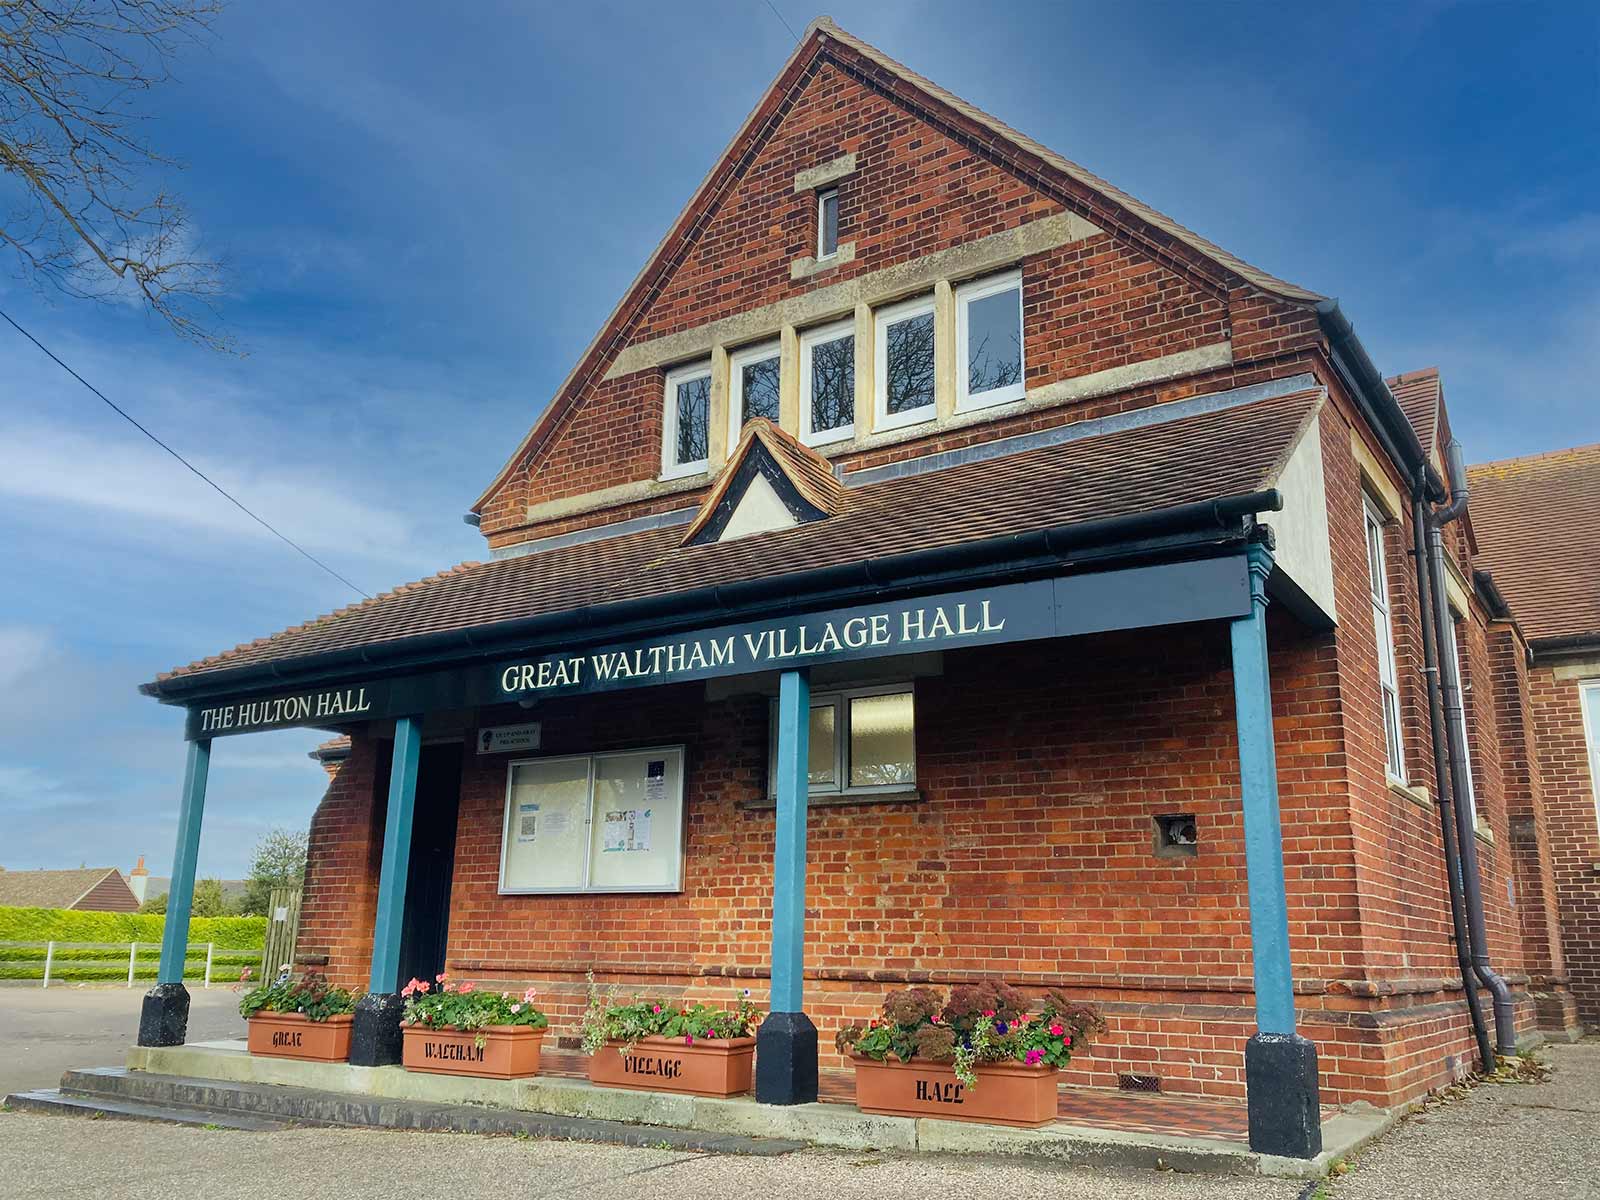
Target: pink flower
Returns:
[[449, 987], [1033, 1056], [988, 1012], [465, 988], [439, 978], [688, 1039], [516, 1008], [1067, 1041], [422, 986], [655, 1008], [527, 996], [1056, 1031]]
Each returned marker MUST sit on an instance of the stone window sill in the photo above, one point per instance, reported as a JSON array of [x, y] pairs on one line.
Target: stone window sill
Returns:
[[1484, 834], [1412, 792], [840, 799], [805, 268]]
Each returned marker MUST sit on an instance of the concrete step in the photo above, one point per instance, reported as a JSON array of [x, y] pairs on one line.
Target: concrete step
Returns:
[[63, 1104], [308, 1106]]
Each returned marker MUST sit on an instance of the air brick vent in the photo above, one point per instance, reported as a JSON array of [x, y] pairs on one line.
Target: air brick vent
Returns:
[[1138, 1083]]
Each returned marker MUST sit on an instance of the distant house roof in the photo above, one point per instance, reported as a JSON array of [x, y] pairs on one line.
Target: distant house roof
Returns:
[[93, 889], [160, 885], [1420, 395], [1538, 524]]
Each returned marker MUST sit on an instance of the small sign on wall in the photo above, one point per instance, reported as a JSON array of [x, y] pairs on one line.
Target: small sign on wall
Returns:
[[502, 739]]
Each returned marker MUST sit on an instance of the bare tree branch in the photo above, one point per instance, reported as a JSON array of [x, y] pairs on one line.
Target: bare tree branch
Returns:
[[80, 210]]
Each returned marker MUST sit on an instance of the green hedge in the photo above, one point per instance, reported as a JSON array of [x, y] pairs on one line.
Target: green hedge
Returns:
[[237, 940], [64, 925]]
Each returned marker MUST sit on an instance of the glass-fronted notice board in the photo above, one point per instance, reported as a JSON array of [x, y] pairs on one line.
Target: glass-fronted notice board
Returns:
[[594, 823]]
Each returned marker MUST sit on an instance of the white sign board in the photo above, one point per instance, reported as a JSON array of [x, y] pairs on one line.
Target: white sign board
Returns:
[[502, 739]]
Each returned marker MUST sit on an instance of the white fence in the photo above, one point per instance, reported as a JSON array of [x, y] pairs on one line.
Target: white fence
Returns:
[[97, 961]]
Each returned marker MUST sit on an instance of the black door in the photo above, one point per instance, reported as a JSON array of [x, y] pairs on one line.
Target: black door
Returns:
[[433, 856]]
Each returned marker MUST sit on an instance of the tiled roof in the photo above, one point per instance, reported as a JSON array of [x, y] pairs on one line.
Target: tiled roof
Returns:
[[1420, 395], [1233, 452], [1538, 526], [49, 889]]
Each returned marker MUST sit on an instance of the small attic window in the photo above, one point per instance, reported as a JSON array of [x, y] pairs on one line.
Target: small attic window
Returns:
[[827, 223]]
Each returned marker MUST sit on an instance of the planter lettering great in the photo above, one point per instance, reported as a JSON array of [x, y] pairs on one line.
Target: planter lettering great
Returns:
[[724, 1067], [293, 1035]]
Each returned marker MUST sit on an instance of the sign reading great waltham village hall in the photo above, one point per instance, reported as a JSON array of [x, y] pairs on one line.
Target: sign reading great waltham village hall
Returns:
[[1125, 599]]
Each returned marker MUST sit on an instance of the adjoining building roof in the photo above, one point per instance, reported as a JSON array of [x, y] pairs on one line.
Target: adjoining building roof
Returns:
[[1163, 463], [66, 889], [1420, 395], [1115, 203], [1538, 526]]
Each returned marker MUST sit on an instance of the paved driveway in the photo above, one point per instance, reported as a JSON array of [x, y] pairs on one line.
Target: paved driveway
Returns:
[[46, 1031]]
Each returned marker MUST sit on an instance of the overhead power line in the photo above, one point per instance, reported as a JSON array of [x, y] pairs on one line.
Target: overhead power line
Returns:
[[215, 486], [786, 24]]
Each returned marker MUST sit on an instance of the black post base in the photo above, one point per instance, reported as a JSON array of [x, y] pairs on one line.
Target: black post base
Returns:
[[1280, 1073], [164, 1016], [375, 1030], [786, 1059]]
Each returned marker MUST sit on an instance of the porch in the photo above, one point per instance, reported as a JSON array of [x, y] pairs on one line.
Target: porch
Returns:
[[1107, 1128]]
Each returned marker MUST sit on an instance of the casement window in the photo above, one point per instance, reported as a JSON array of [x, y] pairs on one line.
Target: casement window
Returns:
[[903, 394], [1453, 649], [686, 429], [1589, 696], [827, 223], [828, 383], [1383, 631], [752, 387], [594, 823], [862, 740], [989, 366]]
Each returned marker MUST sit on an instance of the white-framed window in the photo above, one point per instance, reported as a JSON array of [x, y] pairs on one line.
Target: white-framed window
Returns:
[[753, 375], [903, 357], [1383, 631], [609, 822], [862, 740], [686, 429], [827, 223], [989, 365], [1589, 698], [828, 383], [1453, 649]]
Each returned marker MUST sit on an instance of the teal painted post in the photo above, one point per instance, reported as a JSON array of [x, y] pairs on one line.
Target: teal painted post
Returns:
[[789, 864], [396, 856], [180, 893], [1263, 834]]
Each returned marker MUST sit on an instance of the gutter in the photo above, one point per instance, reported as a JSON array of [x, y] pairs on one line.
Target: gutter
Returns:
[[986, 558]]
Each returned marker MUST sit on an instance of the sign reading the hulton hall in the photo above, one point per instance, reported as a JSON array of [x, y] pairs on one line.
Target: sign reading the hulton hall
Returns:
[[315, 706], [1015, 612]]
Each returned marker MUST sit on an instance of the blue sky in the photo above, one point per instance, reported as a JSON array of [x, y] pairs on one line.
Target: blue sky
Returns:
[[426, 218]]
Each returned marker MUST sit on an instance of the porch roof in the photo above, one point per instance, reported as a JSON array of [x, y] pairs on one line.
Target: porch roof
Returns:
[[1153, 468]]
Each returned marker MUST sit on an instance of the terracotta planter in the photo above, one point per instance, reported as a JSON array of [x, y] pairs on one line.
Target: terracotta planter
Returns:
[[708, 1068], [293, 1035], [506, 1052], [1010, 1093]]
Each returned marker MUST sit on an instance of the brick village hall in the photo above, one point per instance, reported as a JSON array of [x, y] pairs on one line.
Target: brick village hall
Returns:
[[941, 566]]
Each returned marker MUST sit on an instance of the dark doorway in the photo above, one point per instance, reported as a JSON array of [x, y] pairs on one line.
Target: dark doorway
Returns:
[[426, 926]]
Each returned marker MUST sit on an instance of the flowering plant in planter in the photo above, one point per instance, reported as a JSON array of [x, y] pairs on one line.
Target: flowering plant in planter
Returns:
[[978, 1023], [628, 1024], [445, 1004], [310, 995]]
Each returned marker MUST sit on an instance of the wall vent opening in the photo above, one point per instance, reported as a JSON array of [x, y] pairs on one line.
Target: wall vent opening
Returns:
[[1138, 1083]]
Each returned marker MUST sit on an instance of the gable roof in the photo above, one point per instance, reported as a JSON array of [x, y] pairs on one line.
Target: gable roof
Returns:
[[806, 471], [1108, 207], [60, 889], [1198, 458], [1420, 395], [1538, 526]]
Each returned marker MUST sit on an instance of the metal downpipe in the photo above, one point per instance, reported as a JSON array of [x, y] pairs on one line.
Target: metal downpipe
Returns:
[[1441, 768], [1455, 727]]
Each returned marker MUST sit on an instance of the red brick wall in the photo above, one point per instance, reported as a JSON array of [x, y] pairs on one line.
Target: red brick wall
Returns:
[[1569, 800], [339, 903]]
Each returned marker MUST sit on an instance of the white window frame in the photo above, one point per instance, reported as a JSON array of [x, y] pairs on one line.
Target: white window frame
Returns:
[[736, 365], [1453, 646], [823, 196], [810, 339], [839, 700], [980, 289], [882, 418], [1589, 700], [1375, 521], [593, 761], [670, 467]]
